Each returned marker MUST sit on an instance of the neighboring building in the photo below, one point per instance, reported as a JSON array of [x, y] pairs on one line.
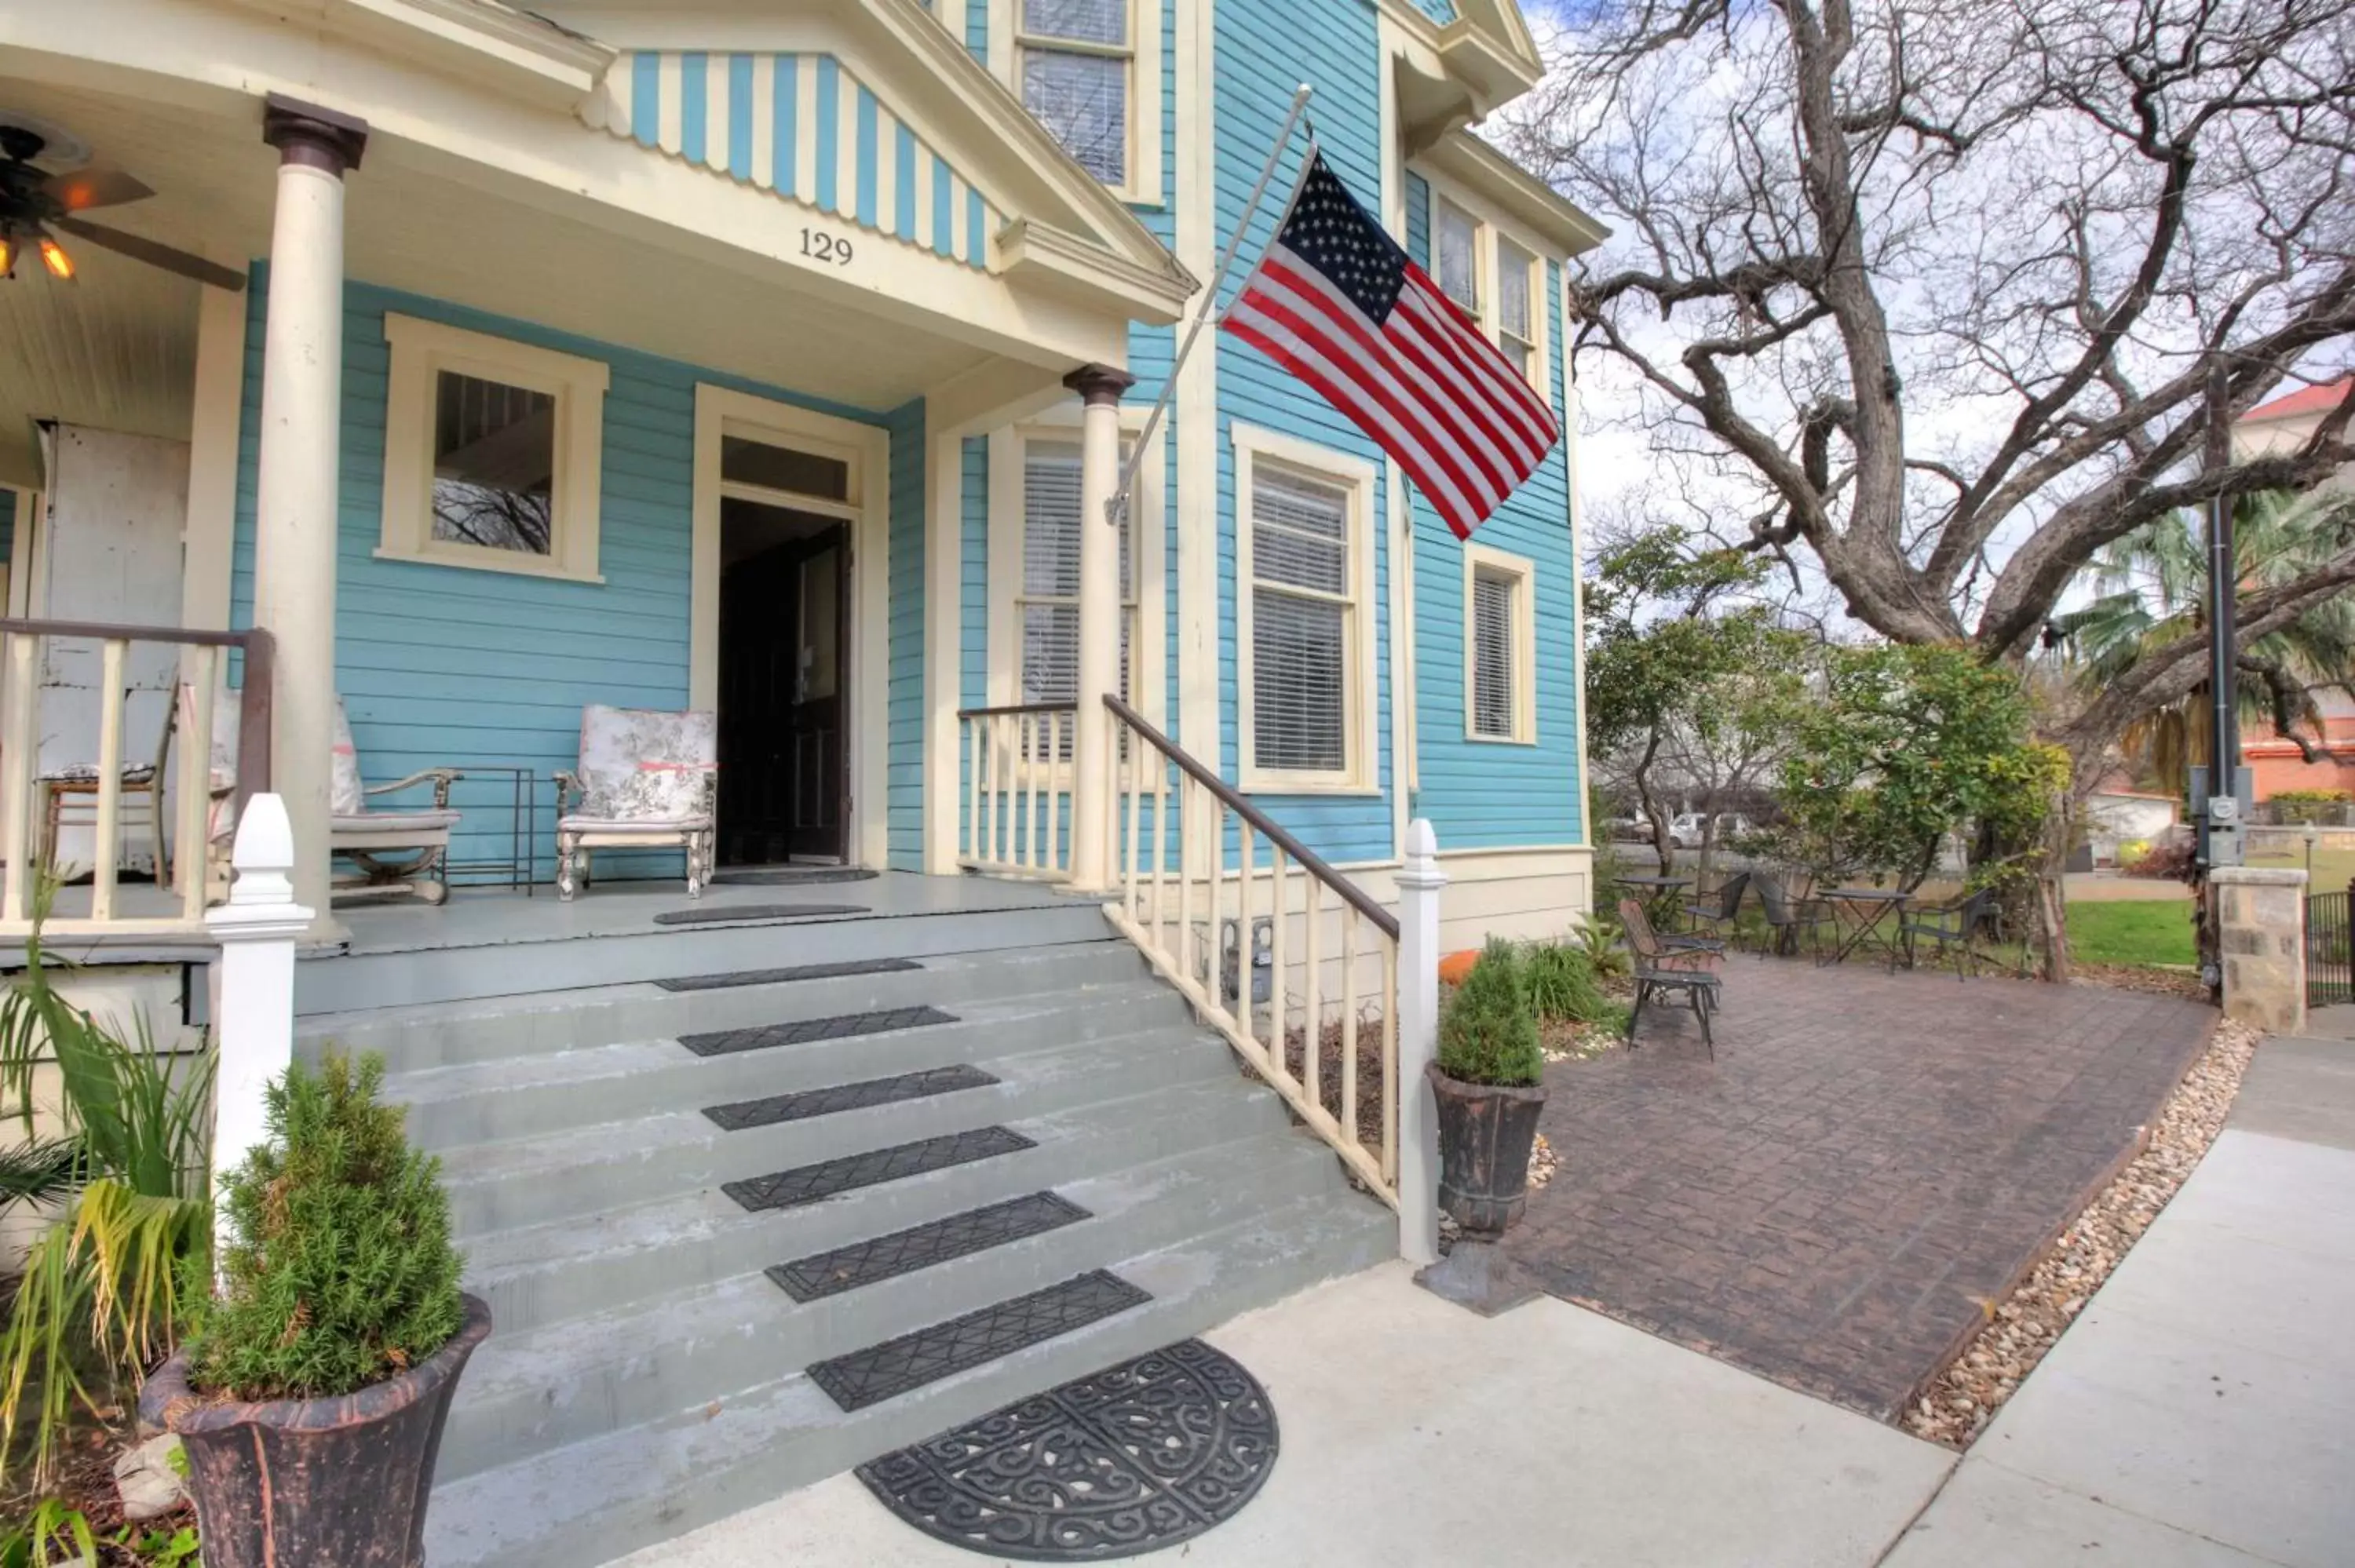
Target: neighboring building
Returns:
[[694, 356]]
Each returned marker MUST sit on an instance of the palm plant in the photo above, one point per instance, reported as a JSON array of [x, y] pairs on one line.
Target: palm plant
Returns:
[[2151, 588], [98, 1293]]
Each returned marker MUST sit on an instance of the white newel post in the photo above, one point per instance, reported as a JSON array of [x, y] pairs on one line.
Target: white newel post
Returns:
[[295, 504], [1419, 882], [253, 1016], [1100, 387]]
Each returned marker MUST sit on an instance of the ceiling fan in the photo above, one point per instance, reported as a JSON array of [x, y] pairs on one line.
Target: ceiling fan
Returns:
[[36, 206]]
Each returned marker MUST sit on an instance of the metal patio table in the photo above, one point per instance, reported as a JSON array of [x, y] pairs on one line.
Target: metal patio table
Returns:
[[1876, 908]]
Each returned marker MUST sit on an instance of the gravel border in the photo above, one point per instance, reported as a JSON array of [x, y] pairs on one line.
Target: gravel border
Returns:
[[1959, 1402]]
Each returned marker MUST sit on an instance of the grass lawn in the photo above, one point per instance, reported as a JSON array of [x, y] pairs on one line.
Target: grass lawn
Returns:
[[2332, 868], [2131, 932]]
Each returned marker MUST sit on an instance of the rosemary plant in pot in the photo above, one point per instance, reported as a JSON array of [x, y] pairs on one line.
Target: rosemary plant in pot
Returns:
[[311, 1389], [1487, 1080]]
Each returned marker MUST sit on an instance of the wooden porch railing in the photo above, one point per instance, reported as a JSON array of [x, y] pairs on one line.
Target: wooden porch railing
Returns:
[[1326, 1033], [178, 910], [1017, 766]]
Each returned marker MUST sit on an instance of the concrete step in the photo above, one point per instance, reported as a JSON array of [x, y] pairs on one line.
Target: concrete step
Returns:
[[578, 1380], [590, 1502], [454, 1033], [363, 980], [521, 1096], [588, 1170], [570, 1268]]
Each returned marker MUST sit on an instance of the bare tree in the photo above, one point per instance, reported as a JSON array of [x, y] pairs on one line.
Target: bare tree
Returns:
[[1930, 291]]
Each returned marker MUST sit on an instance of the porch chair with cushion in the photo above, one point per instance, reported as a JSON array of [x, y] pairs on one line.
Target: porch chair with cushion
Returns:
[[364, 835], [648, 779], [69, 798], [1662, 970], [1951, 929]]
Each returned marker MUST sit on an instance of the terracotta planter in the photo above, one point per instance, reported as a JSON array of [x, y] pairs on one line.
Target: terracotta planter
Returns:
[[1486, 1133], [316, 1483]]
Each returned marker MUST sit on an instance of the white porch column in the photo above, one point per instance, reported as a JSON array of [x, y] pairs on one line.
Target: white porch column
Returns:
[[1419, 882], [253, 1009], [1099, 386], [295, 501]]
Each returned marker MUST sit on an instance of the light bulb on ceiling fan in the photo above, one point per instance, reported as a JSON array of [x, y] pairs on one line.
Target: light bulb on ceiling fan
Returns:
[[54, 257]]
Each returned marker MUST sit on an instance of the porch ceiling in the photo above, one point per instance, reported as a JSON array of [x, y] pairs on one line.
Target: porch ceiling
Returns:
[[116, 347]]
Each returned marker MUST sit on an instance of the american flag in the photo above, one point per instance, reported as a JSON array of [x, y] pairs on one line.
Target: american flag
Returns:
[[1337, 302]]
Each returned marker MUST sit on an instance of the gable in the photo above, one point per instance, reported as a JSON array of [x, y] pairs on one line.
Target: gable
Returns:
[[804, 126]]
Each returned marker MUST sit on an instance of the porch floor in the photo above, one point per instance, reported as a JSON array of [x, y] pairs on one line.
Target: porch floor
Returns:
[[497, 916]]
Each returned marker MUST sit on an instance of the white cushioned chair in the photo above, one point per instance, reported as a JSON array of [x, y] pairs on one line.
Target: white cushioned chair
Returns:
[[648, 779], [417, 837]]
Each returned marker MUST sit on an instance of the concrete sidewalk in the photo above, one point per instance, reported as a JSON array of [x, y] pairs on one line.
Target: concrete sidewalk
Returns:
[[1414, 1432], [2198, 1412]]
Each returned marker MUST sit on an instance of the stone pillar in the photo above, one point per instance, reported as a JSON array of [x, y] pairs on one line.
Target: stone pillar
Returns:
[[1419, 882], [2260, 913], [253, 1011], [296, 498], [1100, 387]]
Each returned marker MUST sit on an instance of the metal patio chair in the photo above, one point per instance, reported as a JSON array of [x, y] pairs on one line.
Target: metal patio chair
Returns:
[[397, 849], [1716, 916], [1662, 970], [1790, 919], [1952, 929]]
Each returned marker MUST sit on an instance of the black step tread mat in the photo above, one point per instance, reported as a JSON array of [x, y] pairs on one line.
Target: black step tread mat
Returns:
[[804, 1104], [797, 973], [896, 1366], [809, 1183], [722, 913], [803, 1031], [921, 1246], [1138, 1456], [790, 876]]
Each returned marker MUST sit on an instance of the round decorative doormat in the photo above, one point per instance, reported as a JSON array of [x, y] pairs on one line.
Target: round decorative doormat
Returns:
[[1152, 1452]]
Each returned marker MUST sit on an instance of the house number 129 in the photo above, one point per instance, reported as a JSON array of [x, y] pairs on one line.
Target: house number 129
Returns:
[[820, 245]]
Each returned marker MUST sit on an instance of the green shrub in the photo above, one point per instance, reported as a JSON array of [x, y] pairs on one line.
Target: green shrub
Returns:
[[1488, 1033], [1560, 980], [340, 1272], [1600, 939]]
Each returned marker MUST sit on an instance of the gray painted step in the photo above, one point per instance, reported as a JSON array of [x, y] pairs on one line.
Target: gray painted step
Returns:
[[548, 1273], [590, 1502], [361, 981], [528, 1391], [452, 1033]]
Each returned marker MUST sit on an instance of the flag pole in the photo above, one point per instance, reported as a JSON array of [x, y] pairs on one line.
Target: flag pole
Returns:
[[1119, 501]]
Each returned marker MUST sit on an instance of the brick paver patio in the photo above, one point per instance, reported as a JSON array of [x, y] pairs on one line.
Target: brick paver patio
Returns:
[[1871, 1159]]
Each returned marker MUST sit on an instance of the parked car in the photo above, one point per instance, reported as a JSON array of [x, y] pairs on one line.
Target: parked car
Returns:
[[1628, 830], [1685, 831]]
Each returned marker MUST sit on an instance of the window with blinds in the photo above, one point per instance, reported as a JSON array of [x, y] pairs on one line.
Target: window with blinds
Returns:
[[1047, 608], [1516, 331], [1459, 257], [1303, 621], [1496, 713], [1076, 60]]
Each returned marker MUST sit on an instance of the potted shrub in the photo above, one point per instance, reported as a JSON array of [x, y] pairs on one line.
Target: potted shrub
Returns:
[[1486, 1081], [311, 1389]]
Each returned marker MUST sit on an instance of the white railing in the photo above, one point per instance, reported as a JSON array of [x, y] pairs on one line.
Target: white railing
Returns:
[[1200, 872], [1017, 779], [64, 768]]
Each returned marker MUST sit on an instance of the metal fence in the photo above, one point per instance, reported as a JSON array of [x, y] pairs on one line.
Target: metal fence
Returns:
[[2329, 948]]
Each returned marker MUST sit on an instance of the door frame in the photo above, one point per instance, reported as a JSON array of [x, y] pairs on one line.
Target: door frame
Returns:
[[865, 679]]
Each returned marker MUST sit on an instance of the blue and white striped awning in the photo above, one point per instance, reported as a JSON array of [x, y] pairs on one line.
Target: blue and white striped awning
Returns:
[[803, 126]]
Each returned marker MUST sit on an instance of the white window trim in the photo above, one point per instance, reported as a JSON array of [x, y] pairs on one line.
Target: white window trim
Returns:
[[1479, 559], [1487, 224], [422, 350], [1146, 544], [1143, 185], [1361, 729]]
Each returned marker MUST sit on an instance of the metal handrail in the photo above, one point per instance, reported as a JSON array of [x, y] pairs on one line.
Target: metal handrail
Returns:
[[1260, 822], [1006, 709]]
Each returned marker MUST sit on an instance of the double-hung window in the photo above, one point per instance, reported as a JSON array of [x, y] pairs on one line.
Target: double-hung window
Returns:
[[1516, 291], [1304, 557], [1077, 64], [1459, 255], [1500, 646], [1047, 607]]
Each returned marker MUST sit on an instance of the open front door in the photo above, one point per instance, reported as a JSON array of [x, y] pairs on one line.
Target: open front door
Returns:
[[782, 754]]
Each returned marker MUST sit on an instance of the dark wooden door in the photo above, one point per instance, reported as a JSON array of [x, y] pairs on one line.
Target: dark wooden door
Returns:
[[782, 774], [814, 714]]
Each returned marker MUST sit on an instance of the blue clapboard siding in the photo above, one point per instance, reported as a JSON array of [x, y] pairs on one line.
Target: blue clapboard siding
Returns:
[[447, 666], [904, 755], [1483, 794], [1263, 52], [739, 115]]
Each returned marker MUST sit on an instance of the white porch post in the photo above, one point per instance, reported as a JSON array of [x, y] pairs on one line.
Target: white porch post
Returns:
[[295, 501], [254, 1013], [1420, 881], [1100, 387]]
